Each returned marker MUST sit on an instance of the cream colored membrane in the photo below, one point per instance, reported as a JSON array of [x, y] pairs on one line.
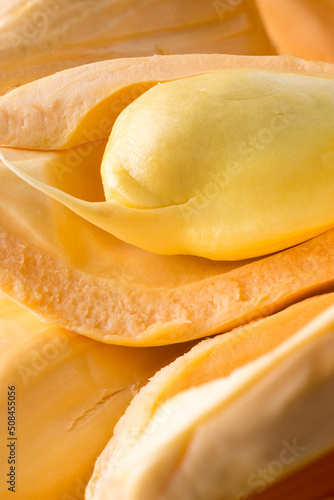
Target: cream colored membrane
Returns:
[[217, 357], [147, 228], [212, 448]]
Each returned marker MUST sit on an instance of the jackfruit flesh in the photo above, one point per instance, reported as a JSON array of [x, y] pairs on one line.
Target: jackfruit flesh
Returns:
[[116, 292], [221, 166], [69, 393], [210, 439]]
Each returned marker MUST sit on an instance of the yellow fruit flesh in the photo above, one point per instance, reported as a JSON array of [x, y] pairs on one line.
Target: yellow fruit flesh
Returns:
[[71, 273], [223, 165], [49, 263], [70, 392]]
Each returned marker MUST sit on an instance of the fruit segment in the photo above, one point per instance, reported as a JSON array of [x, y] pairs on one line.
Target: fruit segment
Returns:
[[80, 105], [212, 439], [69, 393], [72, 273], [221, 165], [40, 37], [166, 177], [302, 28]]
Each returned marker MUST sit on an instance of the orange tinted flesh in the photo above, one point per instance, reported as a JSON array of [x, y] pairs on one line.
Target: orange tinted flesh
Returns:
[[212, 359], [222, 355], [165, 299], [52, 114], [303, 28], [155, 316], [70, 392]]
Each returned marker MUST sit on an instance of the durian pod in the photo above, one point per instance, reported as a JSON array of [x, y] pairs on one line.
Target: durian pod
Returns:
[[302, 28], [69, 391], [40, 37], [234, 415], [73, 274]]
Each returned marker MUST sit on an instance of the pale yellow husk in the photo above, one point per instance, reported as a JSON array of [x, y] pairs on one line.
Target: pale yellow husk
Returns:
[[211, 440]]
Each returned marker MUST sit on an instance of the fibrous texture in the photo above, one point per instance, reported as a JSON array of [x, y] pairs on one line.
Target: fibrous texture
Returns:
[[41, 37], [69, 393], [231, 407], [71, 272]]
